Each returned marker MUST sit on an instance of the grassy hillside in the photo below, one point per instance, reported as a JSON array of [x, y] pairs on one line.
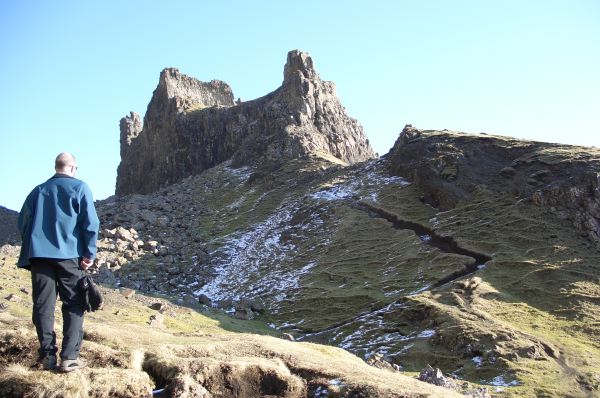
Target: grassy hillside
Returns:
[[334, 255], [498, 288], [133, 350]]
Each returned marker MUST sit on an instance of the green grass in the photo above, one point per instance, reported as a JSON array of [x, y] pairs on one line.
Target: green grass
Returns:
[[534, 291], [539, 289]]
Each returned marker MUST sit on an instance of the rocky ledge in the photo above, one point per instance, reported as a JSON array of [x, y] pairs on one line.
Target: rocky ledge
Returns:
[[191, 126], [450, 166]]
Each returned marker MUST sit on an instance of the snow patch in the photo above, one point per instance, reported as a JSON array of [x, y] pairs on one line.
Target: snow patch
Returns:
[[256, 262], [238, 203], [242, 256], [366, 186], [425, 334], [393, 293], [242, 173], [337, 192], [421, 290], [499, 381]]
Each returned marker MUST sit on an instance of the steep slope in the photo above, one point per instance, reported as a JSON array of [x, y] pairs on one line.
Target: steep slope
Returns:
[[494, 288], [191, 126]]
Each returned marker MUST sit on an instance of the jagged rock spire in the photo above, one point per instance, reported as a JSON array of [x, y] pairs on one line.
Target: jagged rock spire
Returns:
[[191, 126], [298, 61]]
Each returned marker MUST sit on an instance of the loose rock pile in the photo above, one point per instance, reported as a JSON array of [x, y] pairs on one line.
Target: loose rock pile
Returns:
[[153, 237], [118, 246], [149, 245]]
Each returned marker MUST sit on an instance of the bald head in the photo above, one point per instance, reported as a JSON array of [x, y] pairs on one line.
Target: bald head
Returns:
[[65, 163]]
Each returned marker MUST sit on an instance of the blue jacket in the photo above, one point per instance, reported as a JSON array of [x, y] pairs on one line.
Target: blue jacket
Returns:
[[59, 221]]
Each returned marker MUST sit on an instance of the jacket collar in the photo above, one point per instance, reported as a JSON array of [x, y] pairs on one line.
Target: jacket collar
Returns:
[[61, 175]]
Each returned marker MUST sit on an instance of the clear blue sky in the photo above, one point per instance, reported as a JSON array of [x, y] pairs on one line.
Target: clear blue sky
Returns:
[[69, 70]]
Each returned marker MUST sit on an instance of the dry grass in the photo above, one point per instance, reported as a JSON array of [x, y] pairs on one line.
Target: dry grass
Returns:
[[19, 381]]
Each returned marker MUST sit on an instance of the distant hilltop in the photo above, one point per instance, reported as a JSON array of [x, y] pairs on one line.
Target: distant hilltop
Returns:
[[451, 166], [191, 126]]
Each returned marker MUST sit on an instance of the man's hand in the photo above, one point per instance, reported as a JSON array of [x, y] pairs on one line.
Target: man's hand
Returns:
[[85, 263]]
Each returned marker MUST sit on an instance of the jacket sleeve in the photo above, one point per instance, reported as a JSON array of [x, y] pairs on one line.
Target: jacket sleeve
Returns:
[[25, 224], [88, 223]]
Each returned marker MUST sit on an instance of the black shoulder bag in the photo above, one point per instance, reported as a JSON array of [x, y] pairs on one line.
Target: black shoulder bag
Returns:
[[92, 298]]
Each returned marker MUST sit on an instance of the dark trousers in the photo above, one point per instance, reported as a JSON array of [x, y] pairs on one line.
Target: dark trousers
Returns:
[[49, 277]]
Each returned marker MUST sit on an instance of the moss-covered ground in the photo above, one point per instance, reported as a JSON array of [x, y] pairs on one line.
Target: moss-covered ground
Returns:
[[542, 286]]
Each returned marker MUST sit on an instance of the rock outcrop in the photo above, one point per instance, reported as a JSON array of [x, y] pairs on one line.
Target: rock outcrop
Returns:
[[131, 127], [164, 150], [191, 126], [449, 166], [8, 226]]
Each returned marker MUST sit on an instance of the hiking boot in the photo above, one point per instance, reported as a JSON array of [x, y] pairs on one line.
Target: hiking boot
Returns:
[[49, 362], [68, 365]]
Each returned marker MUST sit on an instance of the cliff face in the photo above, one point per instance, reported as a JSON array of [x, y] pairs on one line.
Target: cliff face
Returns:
[[191, 126], [163, 150], [450, 166]]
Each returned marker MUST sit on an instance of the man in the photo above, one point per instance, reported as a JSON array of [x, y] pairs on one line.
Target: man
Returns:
[[59, 229]]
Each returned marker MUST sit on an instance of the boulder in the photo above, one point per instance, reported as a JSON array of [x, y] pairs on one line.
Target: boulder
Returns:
[[151, 245], [205, 300], [13, 297], [125, 234], [244, 314], [381, 362], [251, 304], [156, 320], [435, 376], [288, 336]]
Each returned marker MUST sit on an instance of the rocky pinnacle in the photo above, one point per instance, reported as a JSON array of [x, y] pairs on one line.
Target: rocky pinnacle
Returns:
[[191, 126]]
